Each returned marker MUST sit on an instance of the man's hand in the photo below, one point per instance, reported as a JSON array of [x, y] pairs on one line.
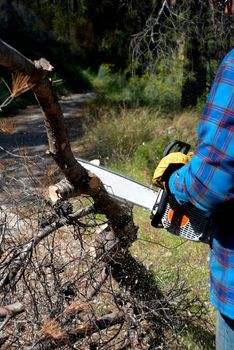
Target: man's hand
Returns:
[[167, 166]]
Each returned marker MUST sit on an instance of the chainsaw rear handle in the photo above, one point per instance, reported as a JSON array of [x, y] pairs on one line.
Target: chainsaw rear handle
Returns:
[[162, 200], [176, 146]]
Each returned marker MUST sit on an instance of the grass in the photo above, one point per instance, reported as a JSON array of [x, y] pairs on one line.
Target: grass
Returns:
[[131, 141], [172, 259], [169, 255]]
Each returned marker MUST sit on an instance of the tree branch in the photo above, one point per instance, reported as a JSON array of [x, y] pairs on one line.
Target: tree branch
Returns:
[[71, 336]]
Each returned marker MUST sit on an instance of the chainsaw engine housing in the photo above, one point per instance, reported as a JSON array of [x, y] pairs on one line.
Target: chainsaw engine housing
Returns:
[[184, 221]]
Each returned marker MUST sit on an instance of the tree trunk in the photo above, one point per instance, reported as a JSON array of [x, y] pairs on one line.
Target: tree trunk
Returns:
[[194, 73], [195, 66]]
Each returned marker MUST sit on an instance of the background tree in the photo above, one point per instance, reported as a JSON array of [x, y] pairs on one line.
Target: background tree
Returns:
[[100, 29], [197, 30], [87, 34], [196, 57]]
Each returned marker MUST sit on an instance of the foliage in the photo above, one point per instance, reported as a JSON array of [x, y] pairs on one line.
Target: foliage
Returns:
[[77, 34], [153, 90], [161, 90], [132, 141], [108, 81], [75, 78], [101, 31], [147, 155], [86, 33], [134, 118], [191, 28], [35, 40], [118, 133]]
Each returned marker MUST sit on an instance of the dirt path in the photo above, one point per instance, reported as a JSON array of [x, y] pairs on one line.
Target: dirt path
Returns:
[[26, 130], [23, 145]]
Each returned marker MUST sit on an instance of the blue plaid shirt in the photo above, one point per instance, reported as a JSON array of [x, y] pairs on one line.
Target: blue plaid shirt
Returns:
[[207, 181]]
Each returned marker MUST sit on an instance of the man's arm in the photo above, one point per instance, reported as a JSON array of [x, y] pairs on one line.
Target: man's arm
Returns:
[[208, 179]]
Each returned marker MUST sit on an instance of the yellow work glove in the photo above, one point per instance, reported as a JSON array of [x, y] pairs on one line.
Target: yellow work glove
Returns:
[[167, 165]]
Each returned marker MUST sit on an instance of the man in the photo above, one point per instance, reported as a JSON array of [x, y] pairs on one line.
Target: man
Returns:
[[207, 181]]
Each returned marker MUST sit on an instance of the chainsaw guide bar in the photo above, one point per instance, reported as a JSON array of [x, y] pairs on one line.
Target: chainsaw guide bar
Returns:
[[184, 221]]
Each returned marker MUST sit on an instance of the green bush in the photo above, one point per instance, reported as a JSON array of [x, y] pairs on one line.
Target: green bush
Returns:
[[75, 78], [108, 81], [161, 90], [117, 134], [147, 155]]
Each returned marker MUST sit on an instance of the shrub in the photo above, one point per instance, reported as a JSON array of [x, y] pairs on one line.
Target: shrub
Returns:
[[161, 90], [117, 134], [150, 90], [108, 81], [75, 78], [147, 155]]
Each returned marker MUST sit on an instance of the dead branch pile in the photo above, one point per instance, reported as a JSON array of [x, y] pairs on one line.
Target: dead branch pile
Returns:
[[65, 280]]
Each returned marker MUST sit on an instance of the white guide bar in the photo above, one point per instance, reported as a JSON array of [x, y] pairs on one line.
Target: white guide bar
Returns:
[[123, 187]]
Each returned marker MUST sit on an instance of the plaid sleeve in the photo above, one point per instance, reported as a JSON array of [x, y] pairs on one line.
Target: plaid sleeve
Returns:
[[208, 179]]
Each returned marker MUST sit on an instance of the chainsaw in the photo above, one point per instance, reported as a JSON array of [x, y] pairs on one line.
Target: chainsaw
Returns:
[[185, 221]]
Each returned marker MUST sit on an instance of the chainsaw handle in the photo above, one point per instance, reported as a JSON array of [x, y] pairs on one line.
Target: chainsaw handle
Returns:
[[162, 199], [159, 208], [178, 146]]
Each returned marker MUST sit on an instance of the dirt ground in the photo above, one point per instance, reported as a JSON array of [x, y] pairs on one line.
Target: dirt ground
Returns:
[[25, 134], [25, 164], [26, 129]]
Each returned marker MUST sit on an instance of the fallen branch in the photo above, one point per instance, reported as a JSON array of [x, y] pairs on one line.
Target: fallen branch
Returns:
[[71, 336], [13, 266], [84, 182], [96, 286], [10, 311]]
